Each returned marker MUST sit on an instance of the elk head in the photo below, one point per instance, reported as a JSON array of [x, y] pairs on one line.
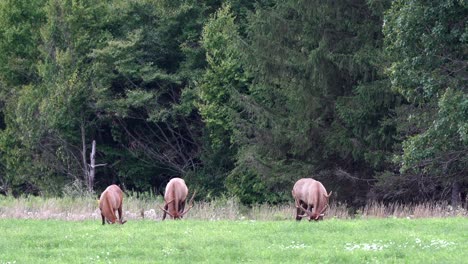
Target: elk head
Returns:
[[176, 214], [316, 216]]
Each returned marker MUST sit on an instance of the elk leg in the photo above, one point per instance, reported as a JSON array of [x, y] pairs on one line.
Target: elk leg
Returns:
[[164, 213], [103, 219], [298, 214], [299, 210], [120, 213], [181, 208]]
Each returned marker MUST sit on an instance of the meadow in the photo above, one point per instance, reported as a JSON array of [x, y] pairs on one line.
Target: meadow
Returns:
[[69, 230], [226, 241]]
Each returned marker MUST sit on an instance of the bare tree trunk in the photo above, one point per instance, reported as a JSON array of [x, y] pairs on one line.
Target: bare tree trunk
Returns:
[[92, 168], [456, 199]]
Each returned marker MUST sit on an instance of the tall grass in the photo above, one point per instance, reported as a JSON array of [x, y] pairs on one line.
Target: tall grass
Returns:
[[86, 207]]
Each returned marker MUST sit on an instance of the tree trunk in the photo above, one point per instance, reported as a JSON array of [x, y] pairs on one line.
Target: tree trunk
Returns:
[[92, 168], [455, 201]]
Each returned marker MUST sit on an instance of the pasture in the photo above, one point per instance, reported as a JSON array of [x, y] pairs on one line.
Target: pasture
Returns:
[[436, 240], [69, 230]]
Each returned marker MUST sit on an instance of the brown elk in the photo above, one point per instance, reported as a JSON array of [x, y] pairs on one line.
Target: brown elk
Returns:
[[310, 194], [110, 201], [175, 199]]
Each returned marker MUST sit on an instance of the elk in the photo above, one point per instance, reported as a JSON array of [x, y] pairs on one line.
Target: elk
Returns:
[[310, 194], [175, 199], [109, 202]]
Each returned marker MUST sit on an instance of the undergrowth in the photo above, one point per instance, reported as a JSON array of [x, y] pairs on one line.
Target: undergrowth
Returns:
[[147, 207]]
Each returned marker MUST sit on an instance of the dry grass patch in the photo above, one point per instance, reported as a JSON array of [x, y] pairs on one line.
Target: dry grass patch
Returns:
[[86, 208]]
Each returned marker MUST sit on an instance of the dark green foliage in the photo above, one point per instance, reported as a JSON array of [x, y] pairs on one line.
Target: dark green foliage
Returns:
[[309, 68], [427, 46], [19, 39], [238, 97], [20, 22], [110, 72], [143, 70]]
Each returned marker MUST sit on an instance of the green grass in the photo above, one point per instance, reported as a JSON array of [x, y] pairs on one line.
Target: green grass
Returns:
[[194, 241]]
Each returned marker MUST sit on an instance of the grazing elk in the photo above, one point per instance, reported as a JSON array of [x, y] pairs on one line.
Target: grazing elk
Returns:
[[175, 199], [110, 201], [310, 194]]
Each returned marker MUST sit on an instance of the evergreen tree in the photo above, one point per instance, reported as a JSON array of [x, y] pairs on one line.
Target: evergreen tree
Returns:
[[301, 96], [218, 91], [112, 71], [20, 22], [145, 72], [313, 64]]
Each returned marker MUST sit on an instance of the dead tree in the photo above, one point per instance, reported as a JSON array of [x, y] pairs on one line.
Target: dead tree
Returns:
[[90, 170]]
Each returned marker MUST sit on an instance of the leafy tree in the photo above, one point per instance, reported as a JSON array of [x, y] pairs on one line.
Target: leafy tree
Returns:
[[219, 92], [19, 27], [19, 38], [145, 72], [237, 97], [114, 72], [426, 41]]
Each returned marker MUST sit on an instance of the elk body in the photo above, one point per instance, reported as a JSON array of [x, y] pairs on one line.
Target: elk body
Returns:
[[311, 199], [111, 201], [175, 199]]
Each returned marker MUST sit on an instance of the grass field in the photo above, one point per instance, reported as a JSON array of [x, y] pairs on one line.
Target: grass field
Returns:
[[391, 240]]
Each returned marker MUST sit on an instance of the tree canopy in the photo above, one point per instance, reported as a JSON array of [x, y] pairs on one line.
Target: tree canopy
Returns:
[[238, 97]]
